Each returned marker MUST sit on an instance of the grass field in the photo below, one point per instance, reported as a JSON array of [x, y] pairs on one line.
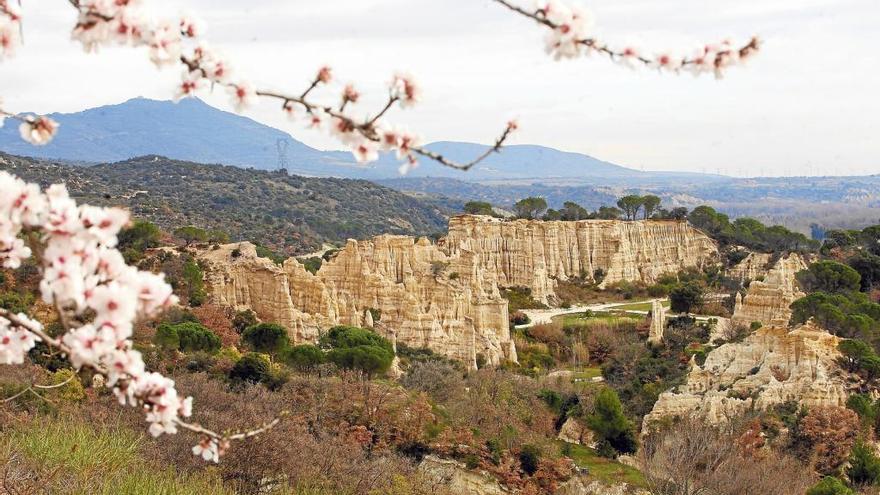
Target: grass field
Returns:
[[579, 320], [639, 306], [603, 469]]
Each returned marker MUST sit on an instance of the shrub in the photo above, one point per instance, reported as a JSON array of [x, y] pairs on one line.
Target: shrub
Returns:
[[251, 368], [829, 485], [243, 320], [829, 276], [518, 318], [613, 430], [304, 357], [267, 338], [187, 337], [864, 466], [358, 348], [685, 297], [529, 458]]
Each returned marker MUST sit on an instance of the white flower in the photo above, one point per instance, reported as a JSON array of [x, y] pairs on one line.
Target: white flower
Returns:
[[15, 342], [9, 37], [191, 27], [191, 82], [164, 43], [243, 95], [666, 61], [365, 151], [38, 130], [404, 87], [207, 449]]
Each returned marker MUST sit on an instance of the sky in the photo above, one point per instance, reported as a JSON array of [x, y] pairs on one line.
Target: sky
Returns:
[[808, 104]]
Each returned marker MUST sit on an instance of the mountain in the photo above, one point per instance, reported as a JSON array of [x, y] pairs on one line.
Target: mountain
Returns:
[[287, 213], [192, 130]]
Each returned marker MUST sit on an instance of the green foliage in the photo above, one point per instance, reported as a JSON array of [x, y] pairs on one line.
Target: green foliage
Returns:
[[749, 232], [191, 234], [864, 468], [187, 337], [16, 302], [868, 267], [572, 211], [829, 485], [650, 203], [251, 368], [193, 277], [529, 459], [630, 205], [264, 252], [859, 357], [530, 208], [686, 297], [850, 315], [613, 429], [829, 276], [478, 208], [269, 338], [358, 348], [134, 240], [304, 357], [217, 236], [244, 319], [520, 298], [312, 265], [608, 213]]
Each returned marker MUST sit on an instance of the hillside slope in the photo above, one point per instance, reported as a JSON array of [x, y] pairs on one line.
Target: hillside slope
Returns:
[[289, 213]]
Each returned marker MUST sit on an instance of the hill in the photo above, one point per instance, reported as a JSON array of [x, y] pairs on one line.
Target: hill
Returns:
[[288, 213], [192, 130]]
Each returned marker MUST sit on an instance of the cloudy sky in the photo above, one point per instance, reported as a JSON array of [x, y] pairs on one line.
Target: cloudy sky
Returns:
[[809, 104]]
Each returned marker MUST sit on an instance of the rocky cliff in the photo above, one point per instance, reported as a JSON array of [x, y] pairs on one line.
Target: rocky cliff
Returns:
[[422, 297], [768, 300], [771, 366], [445, 296], [534, 254]]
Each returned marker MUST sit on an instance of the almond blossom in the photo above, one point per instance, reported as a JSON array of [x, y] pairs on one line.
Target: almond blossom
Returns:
[[98, 298], [38, 130], [571, 36]]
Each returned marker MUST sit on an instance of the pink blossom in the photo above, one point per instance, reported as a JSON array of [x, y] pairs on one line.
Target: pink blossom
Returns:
[[38, 130], [404, 87], [365, 151], [243, 95], [207, 449], [191, 82]]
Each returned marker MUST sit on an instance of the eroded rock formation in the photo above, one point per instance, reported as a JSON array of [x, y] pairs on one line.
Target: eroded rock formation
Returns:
[[658, 322], [423, 297], [769, 367], [445, 296], [534, 254], [768, 300], [753, 267]]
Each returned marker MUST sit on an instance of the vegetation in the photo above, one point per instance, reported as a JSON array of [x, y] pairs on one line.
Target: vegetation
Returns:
[[357, 348], [614, 431], [749, 232], [530, 208], [187, 337], [686, 297], [267, 338], [287, 213], [478, 208]]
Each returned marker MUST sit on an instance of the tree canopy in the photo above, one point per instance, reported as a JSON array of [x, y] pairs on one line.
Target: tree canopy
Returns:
[[530, 208]]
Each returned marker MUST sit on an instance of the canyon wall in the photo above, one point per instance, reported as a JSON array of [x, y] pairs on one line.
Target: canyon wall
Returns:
[[534, 254], [771, 366], [768, 300], [421, 296]]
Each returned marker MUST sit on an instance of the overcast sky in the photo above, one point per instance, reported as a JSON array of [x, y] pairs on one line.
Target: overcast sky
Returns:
[[809, 104]]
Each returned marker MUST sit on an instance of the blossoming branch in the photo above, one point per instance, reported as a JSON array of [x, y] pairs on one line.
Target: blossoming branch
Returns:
[[570, 36], [98, 298], [179, 43]]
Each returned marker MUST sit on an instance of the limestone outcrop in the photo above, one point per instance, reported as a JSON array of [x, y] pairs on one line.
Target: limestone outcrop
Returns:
[[771, 366], [422, 297], [658, 322], [445, 296], [768, 300], [534, 254], [753, 267]]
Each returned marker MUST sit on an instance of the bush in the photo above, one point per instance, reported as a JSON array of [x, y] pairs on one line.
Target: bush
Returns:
[[269, 338], [613, 430], [685, 297], [358, 348], [304, 357], [829, 486], [529, 458], [187, 337], [864, 466], [829, 276], [252, 368], [243, 320]]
